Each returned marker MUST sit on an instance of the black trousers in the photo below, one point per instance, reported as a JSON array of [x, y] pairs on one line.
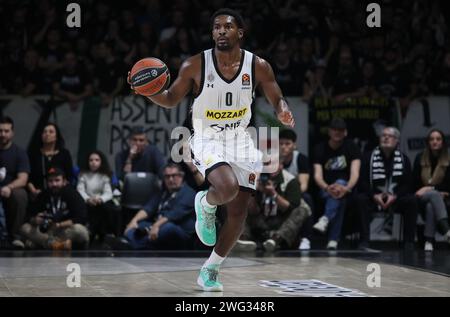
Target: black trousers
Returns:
[[406, 205], [105, 218]]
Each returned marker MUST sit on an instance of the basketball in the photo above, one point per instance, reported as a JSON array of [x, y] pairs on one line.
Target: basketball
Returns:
[[149, 76]]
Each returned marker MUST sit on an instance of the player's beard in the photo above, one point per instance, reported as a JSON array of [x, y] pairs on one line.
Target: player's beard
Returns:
[[224, 47]]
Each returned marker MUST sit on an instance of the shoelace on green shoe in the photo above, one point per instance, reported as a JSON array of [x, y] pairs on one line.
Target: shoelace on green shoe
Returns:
[[212, 274], [209, 218]]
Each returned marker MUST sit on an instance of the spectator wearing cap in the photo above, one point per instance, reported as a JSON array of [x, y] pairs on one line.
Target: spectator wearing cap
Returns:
[[15, 168], [336, 172], [140, 157], [58, 216], [297, 164]]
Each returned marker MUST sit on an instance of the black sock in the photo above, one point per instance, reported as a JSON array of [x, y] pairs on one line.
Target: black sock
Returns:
[[442, 226]]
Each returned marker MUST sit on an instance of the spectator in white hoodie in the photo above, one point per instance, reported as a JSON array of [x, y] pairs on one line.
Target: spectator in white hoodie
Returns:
[[94, 185]]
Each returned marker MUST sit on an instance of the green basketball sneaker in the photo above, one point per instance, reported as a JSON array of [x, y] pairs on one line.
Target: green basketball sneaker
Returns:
[[208, 279], [205, 224]]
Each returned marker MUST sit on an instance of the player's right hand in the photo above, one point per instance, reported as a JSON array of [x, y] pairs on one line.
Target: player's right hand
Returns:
[[286, 118], [129, 83]]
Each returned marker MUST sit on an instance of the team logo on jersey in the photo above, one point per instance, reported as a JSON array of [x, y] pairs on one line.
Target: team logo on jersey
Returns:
[[246, 80], [252, 178], [210, 77], [225, 114]]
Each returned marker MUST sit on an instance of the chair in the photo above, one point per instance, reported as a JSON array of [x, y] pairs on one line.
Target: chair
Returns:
[[138, 188]]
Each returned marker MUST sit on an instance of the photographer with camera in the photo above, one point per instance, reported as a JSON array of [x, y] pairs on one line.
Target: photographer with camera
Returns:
[[386, 184], [276, 212], [59, 215], [167, 221]]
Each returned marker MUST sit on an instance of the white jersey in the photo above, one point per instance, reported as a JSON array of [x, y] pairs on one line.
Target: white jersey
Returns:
[[224, 105]]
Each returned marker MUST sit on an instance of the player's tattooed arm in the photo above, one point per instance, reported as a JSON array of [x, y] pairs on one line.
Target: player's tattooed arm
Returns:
[[265, 79], [182, 86]]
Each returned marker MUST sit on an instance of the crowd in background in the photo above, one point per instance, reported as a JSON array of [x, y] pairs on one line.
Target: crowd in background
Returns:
[[315, 47], [45, 202]]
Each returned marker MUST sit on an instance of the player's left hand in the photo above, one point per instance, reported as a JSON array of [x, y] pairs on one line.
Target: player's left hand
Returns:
[[286, 118]]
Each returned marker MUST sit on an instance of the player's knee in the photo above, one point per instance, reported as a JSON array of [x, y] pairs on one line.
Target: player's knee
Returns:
[[228, 190]]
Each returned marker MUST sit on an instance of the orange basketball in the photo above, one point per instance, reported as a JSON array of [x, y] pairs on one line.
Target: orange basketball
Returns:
[[149, 76]]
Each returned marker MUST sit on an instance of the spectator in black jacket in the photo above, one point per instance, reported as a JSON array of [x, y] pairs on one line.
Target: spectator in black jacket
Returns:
[[385, 183], [51, 152], [58, 216], [432, 184]]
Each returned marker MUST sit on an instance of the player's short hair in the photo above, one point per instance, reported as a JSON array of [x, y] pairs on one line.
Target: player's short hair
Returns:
[[7, 120], [226, 11], [288, 134]]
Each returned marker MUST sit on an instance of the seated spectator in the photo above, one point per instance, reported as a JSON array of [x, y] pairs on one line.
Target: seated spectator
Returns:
[[58, 217], [50, 152], [392, 80], [167, 221], [441, 77], [109, 72], [385, 184], [192, 176], [52, 53], [276, 212], [432, 183], [419, 76], [286, 70], [347, 78], [94, 185], [297, 164], [316, 83], [4, 243], [369, 80], [72, 84], [140, 157], [29, 81], [15, 169], [336, 172]]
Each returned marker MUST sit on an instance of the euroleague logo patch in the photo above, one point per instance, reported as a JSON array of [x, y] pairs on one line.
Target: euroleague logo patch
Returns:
[[246, 80]]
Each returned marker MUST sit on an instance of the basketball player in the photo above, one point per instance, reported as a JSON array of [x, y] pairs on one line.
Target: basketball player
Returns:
[[223, 80]]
